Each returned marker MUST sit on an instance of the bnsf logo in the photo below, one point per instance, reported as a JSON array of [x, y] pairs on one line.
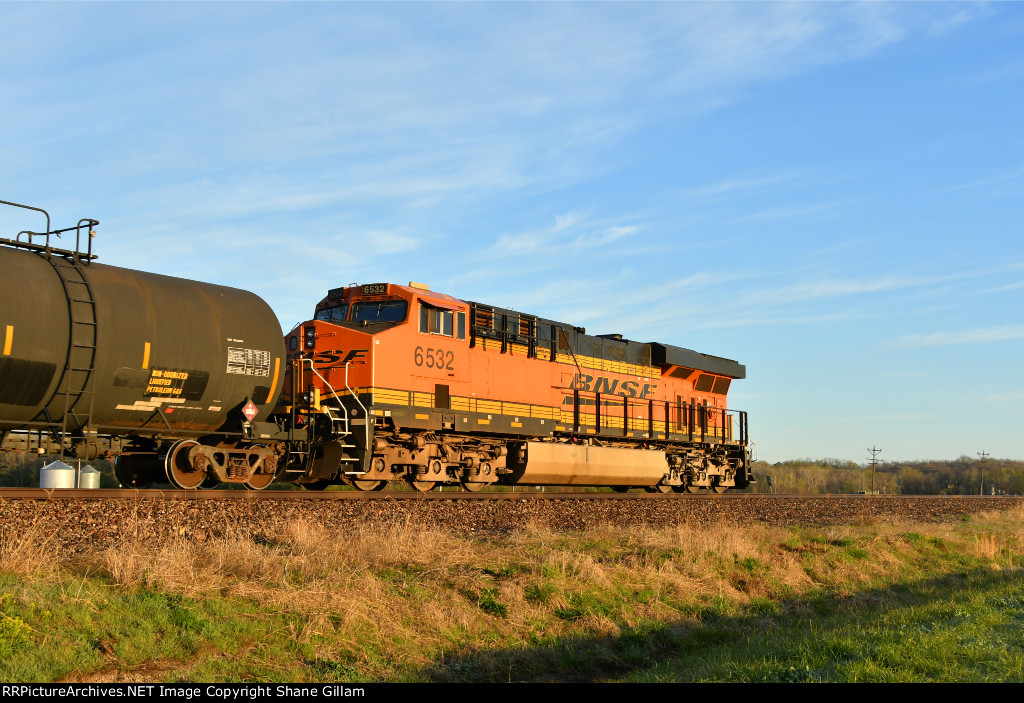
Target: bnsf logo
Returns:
[[602, 384], [335, 357]]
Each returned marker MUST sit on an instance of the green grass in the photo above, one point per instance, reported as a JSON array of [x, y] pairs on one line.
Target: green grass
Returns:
[[875, 603], [959, 627]]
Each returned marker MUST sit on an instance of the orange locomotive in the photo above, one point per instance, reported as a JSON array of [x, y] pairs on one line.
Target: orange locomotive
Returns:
[[400, 383]]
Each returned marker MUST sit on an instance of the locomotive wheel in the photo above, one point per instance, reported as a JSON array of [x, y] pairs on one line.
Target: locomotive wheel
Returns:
[[423, 486], [719, 489], [180, 471], [686, 488], [659, 488], [365, 484], [473, 486], [316, 485]]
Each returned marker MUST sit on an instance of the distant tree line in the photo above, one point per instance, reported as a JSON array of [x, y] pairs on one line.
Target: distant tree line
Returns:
[[962, 476]]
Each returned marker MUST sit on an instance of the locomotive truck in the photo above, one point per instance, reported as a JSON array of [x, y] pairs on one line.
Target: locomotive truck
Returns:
[[191, 383]]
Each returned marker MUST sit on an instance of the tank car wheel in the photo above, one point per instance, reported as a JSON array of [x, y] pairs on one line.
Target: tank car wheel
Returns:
[[316, 485], [659, 488], [135, 471], [365, 484], [621, 489], [180, 471], [472, 486], [423, 486], [259, 481]]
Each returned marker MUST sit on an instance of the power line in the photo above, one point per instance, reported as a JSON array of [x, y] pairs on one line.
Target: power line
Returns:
[[983, 456], [874, 460]]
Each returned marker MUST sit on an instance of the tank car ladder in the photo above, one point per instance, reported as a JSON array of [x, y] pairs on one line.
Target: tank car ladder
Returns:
[[81, 355], [80, 367]]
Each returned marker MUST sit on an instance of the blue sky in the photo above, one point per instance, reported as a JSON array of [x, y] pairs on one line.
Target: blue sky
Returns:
[[829, 193]]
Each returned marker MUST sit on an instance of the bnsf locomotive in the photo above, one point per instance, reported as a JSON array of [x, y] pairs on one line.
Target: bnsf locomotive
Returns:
[[190, 383]]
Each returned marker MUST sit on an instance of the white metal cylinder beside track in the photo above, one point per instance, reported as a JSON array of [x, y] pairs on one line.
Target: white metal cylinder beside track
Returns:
[[557, 464]]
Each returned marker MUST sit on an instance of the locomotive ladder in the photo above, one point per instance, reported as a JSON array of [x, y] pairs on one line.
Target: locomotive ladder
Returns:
[[340, 429], [339, 426], [80, 367]]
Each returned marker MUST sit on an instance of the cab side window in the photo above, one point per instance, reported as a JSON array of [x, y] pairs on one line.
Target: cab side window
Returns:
[[434, 320]]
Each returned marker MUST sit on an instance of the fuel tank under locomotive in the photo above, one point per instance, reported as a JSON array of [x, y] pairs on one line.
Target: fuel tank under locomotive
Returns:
[[92, 348]]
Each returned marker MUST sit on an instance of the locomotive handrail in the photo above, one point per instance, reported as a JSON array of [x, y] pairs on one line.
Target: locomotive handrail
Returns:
[[317, 373], [698, 422], [366, 414]]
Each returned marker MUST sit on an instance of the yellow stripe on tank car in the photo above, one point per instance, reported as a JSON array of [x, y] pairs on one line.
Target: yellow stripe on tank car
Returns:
[[145, 356], [8, 340], [277, 370]]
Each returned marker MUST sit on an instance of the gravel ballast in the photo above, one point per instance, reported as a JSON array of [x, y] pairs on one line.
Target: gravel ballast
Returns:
[[77, 526]]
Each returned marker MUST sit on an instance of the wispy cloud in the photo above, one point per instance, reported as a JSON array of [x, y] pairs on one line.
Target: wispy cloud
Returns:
[[739, 185], [571, 233], [975, 336], [1007, 176], [894, 417], [834, 288], [787, 213]]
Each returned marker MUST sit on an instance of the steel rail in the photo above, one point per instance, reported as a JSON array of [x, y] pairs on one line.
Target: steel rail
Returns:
[[246, 495]]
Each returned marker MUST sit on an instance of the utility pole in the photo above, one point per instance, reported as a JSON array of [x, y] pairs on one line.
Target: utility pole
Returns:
[[983, 456], [874, 460]]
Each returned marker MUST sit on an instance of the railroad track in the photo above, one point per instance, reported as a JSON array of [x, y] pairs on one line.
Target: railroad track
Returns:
[[174, 494], [997, 502]]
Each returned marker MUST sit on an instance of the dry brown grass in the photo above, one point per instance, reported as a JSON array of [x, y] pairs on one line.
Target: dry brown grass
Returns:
[[32, 553], [377, 594]]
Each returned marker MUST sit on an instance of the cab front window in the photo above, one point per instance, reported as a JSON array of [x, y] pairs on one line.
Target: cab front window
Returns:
[[335, 314], [380, 311]]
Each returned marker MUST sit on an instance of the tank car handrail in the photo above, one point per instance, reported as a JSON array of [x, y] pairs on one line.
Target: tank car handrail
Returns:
[[89, 224], [77, 254], [29, 207]]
